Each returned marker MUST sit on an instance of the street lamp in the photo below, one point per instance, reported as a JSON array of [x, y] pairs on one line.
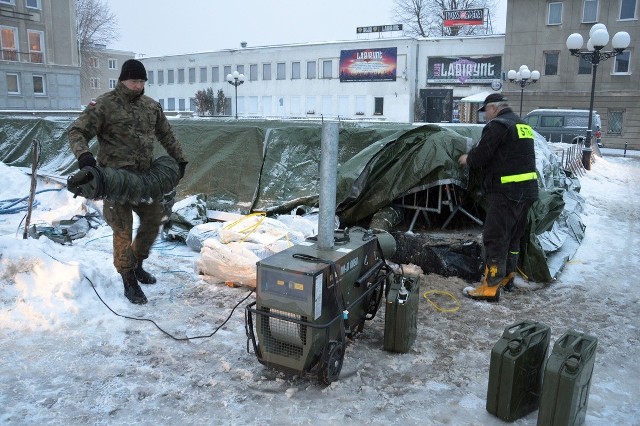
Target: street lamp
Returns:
[[598, 38], [235, 79], [523, 77]]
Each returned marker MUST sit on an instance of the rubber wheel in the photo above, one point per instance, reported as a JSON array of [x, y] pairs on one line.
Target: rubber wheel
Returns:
[[331, 368]]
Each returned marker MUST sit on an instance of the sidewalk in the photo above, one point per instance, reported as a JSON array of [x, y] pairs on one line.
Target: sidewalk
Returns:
[[613, 152]]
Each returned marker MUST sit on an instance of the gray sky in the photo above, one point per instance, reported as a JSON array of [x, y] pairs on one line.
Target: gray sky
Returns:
[[166, 27]]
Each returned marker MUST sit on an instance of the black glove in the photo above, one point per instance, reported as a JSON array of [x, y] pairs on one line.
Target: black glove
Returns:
[[183, 167], [86, 159], [74, 182]]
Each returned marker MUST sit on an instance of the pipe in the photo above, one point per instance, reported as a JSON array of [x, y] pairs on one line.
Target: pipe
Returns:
[[328, 178]]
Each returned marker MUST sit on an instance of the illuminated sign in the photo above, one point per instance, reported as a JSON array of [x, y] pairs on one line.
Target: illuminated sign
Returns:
[[368, 64], [379, 29], [458, 18], [463, 69]]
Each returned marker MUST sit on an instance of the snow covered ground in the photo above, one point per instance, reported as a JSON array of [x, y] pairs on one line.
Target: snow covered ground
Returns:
[[67, 358]]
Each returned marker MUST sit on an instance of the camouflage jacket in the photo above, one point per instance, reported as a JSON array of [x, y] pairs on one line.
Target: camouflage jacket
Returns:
[[126, 125]]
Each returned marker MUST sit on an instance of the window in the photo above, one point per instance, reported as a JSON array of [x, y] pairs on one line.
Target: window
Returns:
[[180, 75], [327, 102], [161, 77], [33, 4], [294, 105], [181, 104], [628, 9], [38, 85], [621, 64], [378, 106], [150, 77], [8, 43], [94, 83], [615, 122], [253, 72], [267, 106], [171, 104], [113, 64], [192, 75], [360, 104], [266, 71], [215, 74], [8, 1], [590, 11], [113, 83], [281, 71], [295, 70], [93, 62], [252, 104], [555, 13], [170, 77], [13, 84], [551, 63], [311, 70], [311, 104], [36, 44], [203, 75], [240, 69], [343, 105], [326, 68], [584, 65], [192, 101], [227, 71]]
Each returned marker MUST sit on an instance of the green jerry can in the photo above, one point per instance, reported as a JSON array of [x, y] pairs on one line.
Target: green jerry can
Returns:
[[567, 380], [516, 370], [401, 314]]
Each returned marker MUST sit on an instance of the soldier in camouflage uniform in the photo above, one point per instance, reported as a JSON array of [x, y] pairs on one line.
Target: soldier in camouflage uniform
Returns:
[[126, 123]]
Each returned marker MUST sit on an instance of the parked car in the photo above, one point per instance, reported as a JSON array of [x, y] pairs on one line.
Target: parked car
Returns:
[[565, 125]]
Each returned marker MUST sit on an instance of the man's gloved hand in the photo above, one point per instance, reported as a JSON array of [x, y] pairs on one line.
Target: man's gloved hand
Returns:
[[183, 166], [74, 182], [86, 159]]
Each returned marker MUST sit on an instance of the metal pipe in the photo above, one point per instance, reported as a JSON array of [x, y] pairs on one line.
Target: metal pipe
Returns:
[[328, 178]]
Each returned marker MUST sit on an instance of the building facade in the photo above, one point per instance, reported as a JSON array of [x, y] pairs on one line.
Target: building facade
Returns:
[[398, 79], [39, 61], [100, 71], [539, 41]]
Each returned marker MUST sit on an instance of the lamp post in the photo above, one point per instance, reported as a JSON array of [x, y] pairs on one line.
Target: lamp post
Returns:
[[235, 79], [598, 38], [523, 77]]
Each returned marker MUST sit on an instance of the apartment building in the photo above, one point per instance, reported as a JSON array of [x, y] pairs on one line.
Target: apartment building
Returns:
[[100, 71], [39, 61], [539, 41]]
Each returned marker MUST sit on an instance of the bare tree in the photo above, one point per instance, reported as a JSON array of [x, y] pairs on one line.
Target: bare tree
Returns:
[[425, 18], [96, 27]]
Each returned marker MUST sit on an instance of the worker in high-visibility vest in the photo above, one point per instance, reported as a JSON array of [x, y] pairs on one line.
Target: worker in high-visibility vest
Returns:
[[505, 158]]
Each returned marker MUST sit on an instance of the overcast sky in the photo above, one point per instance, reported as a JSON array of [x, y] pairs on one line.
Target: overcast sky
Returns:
[[166, 27]]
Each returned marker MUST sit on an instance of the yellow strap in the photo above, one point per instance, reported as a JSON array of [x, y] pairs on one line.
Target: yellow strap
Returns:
[[519, 178]]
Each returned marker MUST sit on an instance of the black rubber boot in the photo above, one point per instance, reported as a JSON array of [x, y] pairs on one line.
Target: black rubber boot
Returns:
[[143, 276], [132, 290], [511, 268]]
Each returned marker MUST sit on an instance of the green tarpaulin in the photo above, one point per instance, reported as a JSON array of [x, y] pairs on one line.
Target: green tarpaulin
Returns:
[[244, 166]]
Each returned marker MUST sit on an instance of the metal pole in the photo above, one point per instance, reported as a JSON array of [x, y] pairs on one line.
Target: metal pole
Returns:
[[328, 178], [235, 84], [521, 95], [586, 152]]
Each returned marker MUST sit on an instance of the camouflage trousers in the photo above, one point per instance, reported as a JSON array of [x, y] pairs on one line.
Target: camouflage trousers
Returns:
[[127, 250]]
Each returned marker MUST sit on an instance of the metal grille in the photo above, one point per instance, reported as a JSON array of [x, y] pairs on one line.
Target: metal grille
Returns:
[[283, 337], [615, 122]]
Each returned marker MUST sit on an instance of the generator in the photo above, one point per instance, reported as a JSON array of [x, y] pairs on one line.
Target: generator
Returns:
[[310, 299]]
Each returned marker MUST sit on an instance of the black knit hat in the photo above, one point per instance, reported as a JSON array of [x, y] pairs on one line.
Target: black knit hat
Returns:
[[133, 70]]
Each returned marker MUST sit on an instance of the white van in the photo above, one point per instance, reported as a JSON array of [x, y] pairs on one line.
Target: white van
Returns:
[[565, 125]]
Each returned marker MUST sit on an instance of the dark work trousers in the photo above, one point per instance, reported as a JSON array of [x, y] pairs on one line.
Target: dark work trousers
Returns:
[[126, 250], [504, 226]]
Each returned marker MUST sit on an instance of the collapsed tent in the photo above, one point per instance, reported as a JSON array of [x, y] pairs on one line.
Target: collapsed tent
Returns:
[[273, 167]]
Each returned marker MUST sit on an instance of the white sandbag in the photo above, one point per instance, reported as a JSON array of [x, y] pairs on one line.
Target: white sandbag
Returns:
[[232, 262]]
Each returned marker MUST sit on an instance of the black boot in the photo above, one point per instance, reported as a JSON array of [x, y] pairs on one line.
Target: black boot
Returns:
[[143, 276], [512, 267], [132, 290]]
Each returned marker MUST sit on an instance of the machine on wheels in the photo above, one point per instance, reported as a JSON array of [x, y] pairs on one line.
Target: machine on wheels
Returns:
[[309, 300]]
